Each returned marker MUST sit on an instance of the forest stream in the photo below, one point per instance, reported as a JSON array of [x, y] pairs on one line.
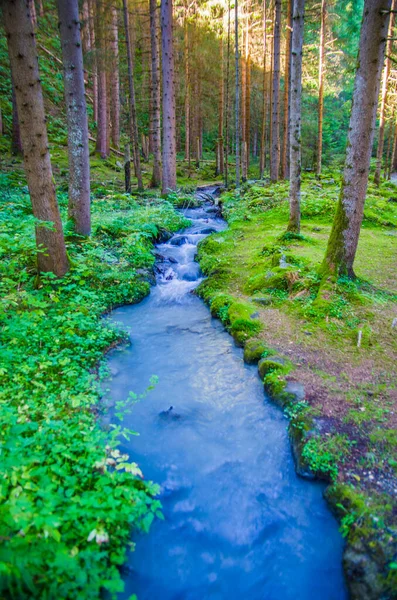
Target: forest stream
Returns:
[[239, 523]]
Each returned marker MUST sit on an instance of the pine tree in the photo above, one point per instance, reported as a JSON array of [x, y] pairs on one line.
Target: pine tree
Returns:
[[343, 240], [29, 98]]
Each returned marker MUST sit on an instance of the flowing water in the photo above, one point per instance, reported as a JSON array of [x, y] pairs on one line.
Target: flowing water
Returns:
[[239, 524]]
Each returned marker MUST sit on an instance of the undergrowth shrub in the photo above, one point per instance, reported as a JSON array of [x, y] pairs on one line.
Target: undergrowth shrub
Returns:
[[68, 497]]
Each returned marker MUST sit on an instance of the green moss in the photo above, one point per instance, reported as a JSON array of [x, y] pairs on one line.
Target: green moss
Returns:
[[254, 350], [269, 365]]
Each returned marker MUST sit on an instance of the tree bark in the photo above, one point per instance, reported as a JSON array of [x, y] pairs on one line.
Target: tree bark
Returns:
[[114, 77], [321, 66], [237, 94], [169, 119], [285, 149], [155, 122], [187, 82], [220, 148], [295, 118], [275, 145], [134, 135], [127, 169], [25, 72], [343, 240], [264, 92], [227, 100], [76, 115], [247, 101], [102, 145], [16, 144], [383, 102], [91, 21]]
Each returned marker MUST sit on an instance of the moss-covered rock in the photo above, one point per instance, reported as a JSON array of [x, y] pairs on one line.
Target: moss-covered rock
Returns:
[[268, 365], [219, 306], [254, 350]]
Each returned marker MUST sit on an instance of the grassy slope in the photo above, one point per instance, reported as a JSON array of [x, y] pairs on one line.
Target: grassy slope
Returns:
[[345, 428]]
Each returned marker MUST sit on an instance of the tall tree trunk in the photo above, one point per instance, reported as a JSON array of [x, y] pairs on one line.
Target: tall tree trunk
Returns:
[[155, 122], [16, 144], [237, 94], [285, 150], [169, 120], [91, 21], [25, 72], [275, 145], [343, 240], [220, 148], [76, 116], [393, 162], [247, 98], [321, 66], [264, 92], [134, 135], [296, 109], [227, 99], [383, 102], [187, 82], [102, 140], [114, 78]]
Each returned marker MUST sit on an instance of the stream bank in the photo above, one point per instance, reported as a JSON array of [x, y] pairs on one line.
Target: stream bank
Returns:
[[238, 522], [254, 276]]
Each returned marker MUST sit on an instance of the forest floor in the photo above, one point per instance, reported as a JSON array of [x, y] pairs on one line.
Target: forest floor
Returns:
[[338, 341]]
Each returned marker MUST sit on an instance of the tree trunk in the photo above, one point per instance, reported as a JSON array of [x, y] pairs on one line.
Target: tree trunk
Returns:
[[76, 116], [264, 103], [227, 100], [127, 169], [114, 78], [285, 150], [91, 21], [343, 240], [187, 83], [321, 87], [16, 144], [155, 122], [220, 149], [383, 103], [247, 98], [25, 72], [102, 141], [134, 135], [393, 163], [169, 120], [275, 145], [295, 118], [237, 93]]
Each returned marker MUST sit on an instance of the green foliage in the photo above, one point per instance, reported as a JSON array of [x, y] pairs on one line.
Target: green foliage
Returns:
[[68, 497], [324, 454]]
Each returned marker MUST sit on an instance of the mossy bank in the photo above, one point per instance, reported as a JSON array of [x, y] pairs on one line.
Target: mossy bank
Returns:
[[326, 352]]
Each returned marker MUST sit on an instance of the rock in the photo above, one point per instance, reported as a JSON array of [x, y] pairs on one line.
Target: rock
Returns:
[[207, 231], [262, 299], [268, 365], [253, 351], [169, 414], [297, 436], [363, 573], [179, 240], [295, 391]]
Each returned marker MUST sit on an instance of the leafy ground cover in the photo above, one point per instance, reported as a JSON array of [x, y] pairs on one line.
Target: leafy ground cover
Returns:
[[335, 340], [68, 497]]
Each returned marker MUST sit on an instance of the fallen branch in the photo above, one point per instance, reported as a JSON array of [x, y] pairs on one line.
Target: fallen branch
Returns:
[[111, 149]]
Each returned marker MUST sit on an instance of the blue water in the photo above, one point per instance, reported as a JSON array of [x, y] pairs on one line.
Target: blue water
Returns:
[[239, 524]]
